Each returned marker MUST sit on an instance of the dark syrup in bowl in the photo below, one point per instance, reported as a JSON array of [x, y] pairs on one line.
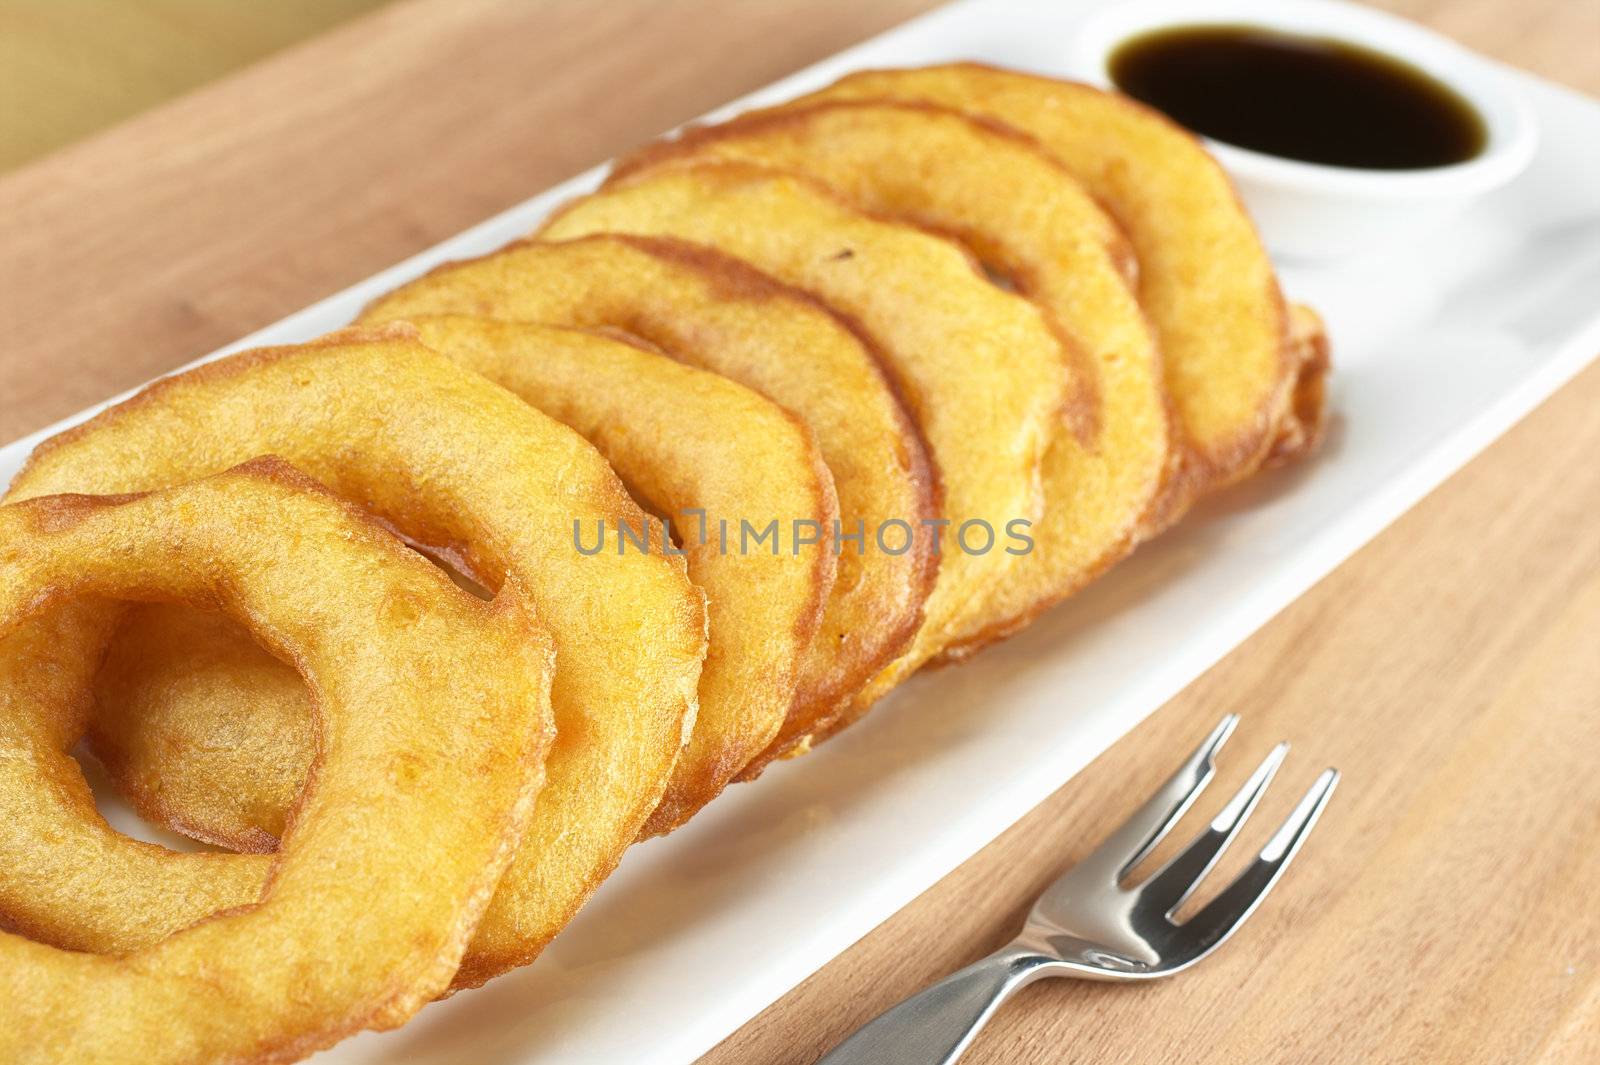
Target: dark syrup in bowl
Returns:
[[1311, 99]]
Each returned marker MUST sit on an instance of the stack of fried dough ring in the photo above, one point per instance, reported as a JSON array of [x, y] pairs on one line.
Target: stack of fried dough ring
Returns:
[[423, 623]]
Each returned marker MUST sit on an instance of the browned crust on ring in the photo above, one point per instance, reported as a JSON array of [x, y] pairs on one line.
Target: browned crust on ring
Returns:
[[718, 752], [675, 810], [739, 280], [717, 765], [689, 147], [1230, 460], [832, 196], [798, 730], [848, 710], [1084, 412], [744, 281], [1245, 453], [903, 390], [747, 282], [1081, 407]]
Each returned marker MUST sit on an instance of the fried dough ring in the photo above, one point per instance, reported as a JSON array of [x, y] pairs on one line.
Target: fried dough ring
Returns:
[[684, 440], [454, 461], [982, 373], [719, 314], [393, 851], [689, 440], [1204, 278], [1024, 216]]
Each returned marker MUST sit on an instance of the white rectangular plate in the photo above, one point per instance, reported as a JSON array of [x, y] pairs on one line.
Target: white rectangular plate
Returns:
[[1438, 349]]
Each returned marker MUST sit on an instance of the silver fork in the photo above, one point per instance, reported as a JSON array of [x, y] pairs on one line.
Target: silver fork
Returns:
[[1090, 926]]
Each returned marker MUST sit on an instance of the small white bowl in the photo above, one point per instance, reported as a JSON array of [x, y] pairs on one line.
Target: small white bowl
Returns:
[[1311, 211]]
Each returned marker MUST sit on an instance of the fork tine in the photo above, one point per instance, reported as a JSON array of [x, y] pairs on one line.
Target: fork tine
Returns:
[[1176, 881], [1220, 917], [1139, 834]]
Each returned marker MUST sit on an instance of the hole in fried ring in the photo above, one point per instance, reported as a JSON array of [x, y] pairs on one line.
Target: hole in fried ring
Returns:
[[391, 854], [448, 459]]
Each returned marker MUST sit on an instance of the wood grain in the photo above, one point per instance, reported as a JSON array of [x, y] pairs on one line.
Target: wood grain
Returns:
[[1445, 910]]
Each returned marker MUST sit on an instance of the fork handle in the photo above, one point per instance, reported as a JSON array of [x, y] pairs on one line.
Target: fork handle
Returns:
[[934, 1026]]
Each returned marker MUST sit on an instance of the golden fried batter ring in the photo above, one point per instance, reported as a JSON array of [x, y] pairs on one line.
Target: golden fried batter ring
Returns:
[[982, 373], [1204, 277], [1030, 222], [685, 441], [434, 716], [700, 449], [715, 312], [450, 460]]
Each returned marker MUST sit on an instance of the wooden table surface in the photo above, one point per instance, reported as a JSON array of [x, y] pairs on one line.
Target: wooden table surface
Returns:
[[1448, 909]]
